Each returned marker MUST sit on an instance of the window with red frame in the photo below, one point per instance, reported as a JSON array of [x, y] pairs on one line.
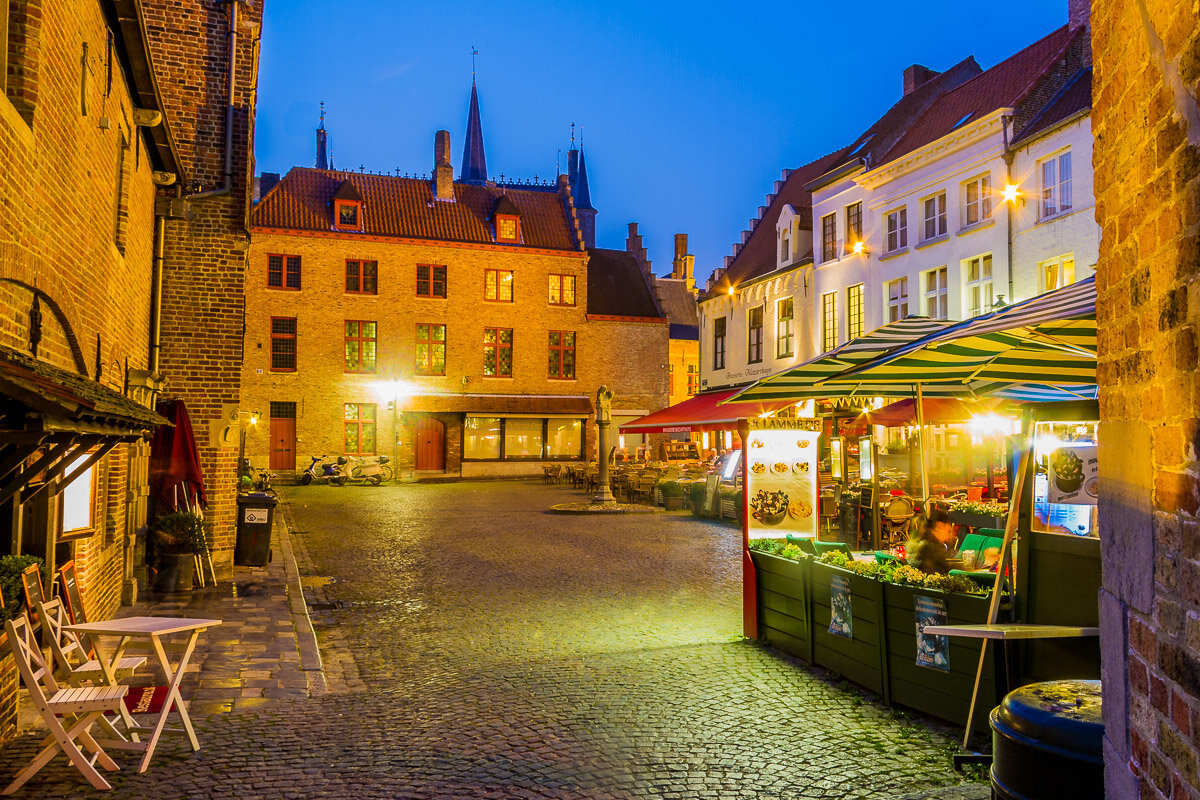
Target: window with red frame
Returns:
[[283, 344], [693, 379], [562, 290], [359, 426], [431, 349], [508, 228], [360, 346], [562, 354], [497, 352], [346, 215], [498, 285], [283, 272], [362, 277], [431, 280]]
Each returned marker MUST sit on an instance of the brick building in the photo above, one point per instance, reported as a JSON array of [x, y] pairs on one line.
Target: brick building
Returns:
[[461, 326], [101, 142], [1146, 120]]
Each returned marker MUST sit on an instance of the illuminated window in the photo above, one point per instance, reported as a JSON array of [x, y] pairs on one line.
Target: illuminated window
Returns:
[[896, 293], [854, 311], [693, 379], [977, 194], [347, 213], [562, 354], [562, 290], [1056, 273], [283, 344], [897, 230], [937, 293], [481, 437], [1055, 176], [360, 346], [829, 321], [497, 352], [523, 438], [362, 277], [935, 216], [978, 271], [564, 438], [359, 427], [783, 328], [853, 225], [754, 335], [829, 237], [498, 285], [283, 272], [508, 228], [431, 349], [78, 501], [431, 280]]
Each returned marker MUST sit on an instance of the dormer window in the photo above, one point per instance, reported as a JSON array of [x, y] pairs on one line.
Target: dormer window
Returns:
[[508, 229], [347, 208]]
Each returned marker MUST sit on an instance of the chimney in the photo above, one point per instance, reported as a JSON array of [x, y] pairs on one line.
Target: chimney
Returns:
[[916, 75], [682, 266], [266, 182], [443, 172], [633, 246], [1079, 14]]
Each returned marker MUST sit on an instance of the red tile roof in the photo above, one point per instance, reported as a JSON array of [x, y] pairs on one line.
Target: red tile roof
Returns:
[[405, 208], [1004, 85], [1073, 97]]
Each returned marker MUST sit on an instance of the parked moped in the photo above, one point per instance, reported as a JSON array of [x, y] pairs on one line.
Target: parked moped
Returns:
[[372, 469], [320, 469]]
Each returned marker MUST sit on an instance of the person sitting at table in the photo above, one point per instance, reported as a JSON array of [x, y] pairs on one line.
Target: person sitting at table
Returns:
[[930, 551]]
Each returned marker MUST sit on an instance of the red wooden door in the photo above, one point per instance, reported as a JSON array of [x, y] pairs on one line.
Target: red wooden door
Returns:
[[431, 444], [283, 444]]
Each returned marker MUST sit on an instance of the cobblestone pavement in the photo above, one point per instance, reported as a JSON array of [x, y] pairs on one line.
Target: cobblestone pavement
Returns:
[[474, 646]]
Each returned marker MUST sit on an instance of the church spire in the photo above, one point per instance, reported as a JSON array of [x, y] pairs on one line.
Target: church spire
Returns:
[[474, 165], [322, 142], [580, 193]]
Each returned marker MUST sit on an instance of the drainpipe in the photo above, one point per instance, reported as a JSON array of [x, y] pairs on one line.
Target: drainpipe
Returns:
[[227, 181], [1008, 214], [160, 226]]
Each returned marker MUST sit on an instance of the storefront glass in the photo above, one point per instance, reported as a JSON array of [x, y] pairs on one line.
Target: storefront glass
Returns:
[[564, 437], [481, 437], [522, 438]]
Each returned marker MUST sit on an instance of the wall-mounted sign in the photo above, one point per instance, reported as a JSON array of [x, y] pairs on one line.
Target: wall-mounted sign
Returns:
[[1073, 478], [837, 458], [866, 461], [781, 477]]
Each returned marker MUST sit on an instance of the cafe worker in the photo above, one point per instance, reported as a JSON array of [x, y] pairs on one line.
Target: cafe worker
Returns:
[[931, 550]]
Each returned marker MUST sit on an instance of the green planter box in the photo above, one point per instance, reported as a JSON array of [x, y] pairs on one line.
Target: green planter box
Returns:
[[859, 659], [783, 603], [942, 694], [977, 520]]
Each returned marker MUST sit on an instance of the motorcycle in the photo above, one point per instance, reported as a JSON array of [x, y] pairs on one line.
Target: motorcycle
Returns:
[[320, 469], [372, 469]]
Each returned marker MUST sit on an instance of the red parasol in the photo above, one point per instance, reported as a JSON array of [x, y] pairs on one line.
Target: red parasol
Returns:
[[937, 411], [174, 461]]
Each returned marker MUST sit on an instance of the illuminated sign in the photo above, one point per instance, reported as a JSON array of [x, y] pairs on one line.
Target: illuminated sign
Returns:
[[781, 477]]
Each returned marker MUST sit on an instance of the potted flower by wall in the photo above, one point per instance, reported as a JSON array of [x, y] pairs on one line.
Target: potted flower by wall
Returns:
[[178, 538], [672, 495], [696, 493]]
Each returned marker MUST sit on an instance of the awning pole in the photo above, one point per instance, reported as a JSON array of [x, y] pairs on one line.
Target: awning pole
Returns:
[[924, 446]]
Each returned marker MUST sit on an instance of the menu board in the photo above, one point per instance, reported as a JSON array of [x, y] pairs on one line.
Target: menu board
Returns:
[[1073, 475], [781, 477], [70, 593]]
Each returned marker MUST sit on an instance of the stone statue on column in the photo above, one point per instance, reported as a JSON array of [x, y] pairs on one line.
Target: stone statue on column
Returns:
[[603, 420]]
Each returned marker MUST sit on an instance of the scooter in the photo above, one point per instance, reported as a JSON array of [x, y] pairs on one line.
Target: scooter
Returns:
[[257, 479], [320, 469], [372, 469]]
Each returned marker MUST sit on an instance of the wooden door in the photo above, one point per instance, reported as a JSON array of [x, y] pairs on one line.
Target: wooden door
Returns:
[[283, 444], [431, 444]]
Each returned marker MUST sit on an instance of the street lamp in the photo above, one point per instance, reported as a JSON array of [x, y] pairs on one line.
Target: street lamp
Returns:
[[392, 392]]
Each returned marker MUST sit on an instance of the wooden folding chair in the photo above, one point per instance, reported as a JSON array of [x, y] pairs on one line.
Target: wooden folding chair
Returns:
[[69, 713], [71, 655]]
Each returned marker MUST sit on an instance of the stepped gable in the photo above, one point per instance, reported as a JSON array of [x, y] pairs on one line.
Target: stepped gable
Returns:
[[1073, 97], [1004, 85], [617, 286], [405, 208]]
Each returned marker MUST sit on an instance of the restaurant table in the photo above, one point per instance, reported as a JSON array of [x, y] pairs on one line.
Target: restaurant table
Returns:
[[152, 629]]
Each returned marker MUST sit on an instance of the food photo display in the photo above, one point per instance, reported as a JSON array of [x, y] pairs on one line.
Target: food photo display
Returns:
[[781, 482]]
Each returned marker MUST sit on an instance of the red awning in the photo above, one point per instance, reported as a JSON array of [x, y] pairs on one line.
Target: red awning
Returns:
[[702, 413], [937, 411]]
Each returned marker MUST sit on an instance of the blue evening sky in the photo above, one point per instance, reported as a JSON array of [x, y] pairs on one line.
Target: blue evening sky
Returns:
[[689, 110]]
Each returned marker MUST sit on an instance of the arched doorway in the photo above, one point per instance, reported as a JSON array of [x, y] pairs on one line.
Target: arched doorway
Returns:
[[431, 444]]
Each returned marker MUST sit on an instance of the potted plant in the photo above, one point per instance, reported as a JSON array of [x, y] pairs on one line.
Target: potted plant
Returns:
[[672, 494], [178, 538], [11, 568], [696, 494]]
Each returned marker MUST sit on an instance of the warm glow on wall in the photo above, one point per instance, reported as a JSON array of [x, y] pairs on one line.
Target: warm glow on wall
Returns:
[[859, 247], [1011, 192]]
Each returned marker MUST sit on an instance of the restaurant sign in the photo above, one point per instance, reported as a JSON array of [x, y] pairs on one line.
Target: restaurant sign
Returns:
[[1073, 475], [781, 477]]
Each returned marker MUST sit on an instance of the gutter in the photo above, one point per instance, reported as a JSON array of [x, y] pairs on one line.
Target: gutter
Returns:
[[834, 174]]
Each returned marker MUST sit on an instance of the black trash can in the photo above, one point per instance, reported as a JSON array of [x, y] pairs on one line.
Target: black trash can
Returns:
[[1046, 740], [256, 515]]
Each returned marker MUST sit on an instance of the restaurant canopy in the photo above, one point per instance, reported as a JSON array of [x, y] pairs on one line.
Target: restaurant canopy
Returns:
[[704, 412], [936, 411]]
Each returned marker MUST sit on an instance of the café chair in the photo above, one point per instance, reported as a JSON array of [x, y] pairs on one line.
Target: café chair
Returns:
[[70, 654], [68, 713], [896, 516]]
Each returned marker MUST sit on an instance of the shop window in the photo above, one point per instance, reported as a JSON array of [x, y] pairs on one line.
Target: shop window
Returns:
[[562, 355], [564, 438], [784, 337], [283, 344], [431, 349], [854, 311], [362, 277], [497, 352], [719, 343], [360, 346], [283, 272], [754, 335], [359, 426], [979, 284], [431, 280], [481, 438], [562, 290], [77, 502], [523, 438], [498, 285]]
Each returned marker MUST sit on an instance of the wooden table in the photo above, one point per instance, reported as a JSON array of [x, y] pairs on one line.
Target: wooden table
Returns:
[[1007, 631], [152, 629]]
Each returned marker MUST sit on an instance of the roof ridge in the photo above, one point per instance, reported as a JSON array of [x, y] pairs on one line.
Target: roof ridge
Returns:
[[967, 83], [1067, 86], [1050, 62]]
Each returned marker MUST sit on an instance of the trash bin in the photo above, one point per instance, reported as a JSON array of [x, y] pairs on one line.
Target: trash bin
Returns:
[[1046, 742], [256, 514]]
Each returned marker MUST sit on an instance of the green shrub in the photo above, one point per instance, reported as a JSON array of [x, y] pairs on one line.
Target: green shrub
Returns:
[[180, 532], [670, 489], [11, 568], [902, 574]]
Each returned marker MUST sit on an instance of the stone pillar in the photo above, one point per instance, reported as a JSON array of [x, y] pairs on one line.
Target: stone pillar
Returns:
[[1146, 124], [603, 420]]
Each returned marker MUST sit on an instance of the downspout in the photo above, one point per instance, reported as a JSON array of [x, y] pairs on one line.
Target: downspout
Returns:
[[1008, 214], [227, 179], [160, 226]]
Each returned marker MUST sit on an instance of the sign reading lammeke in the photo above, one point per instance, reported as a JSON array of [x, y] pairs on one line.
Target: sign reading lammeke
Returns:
[[781, 477]]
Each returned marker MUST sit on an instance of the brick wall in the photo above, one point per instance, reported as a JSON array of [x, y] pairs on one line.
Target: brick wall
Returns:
[[1148, 205], [205, 258]]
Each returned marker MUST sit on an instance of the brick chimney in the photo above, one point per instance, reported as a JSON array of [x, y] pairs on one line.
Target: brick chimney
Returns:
[[633, 246], [916, 75], [443, 172], [1079, 14], [683, 265]]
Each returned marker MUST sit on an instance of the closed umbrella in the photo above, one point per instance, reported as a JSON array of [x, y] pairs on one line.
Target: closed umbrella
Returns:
[[176, 480]]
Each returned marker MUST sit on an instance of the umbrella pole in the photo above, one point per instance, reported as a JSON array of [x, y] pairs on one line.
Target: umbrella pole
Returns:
[[924, 445]]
